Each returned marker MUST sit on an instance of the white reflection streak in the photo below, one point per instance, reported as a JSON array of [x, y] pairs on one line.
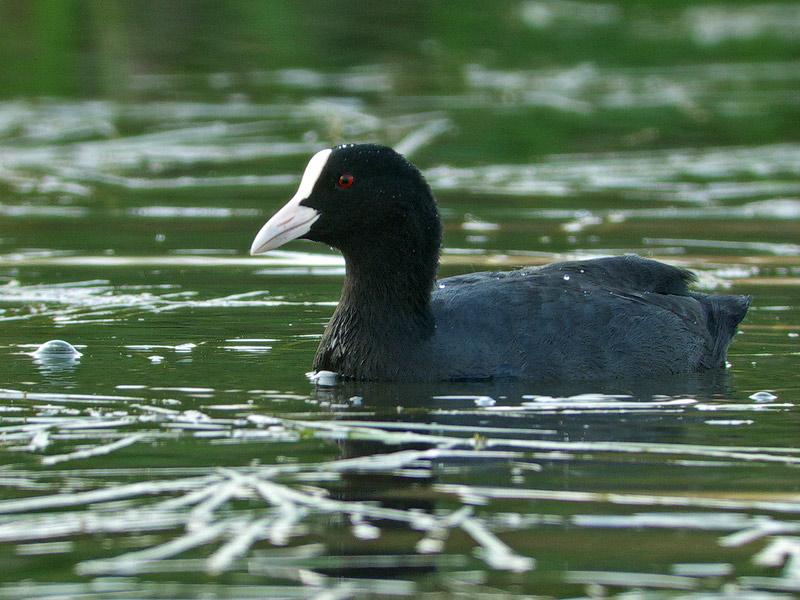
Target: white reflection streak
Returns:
[[82, 302]]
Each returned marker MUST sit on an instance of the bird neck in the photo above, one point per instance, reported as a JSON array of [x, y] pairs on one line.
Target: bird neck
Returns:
[[384, 310], [390, 284]]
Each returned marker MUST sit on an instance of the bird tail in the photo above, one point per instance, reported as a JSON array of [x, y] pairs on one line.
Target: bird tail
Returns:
[[723, 314]]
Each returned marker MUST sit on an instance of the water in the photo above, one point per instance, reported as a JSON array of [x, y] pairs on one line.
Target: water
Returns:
[[183, 452]]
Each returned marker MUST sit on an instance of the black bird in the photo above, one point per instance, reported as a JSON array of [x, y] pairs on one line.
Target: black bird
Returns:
[[619, 317]]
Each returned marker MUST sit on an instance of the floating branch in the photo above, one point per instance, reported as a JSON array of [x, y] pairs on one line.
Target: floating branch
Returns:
[[288, 507], [109, 494], [368, 432], [95, 450], [615, 498], [496, 554], [242, 538], [131, 563]]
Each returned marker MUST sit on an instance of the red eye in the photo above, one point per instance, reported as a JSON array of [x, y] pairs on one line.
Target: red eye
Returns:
[[345, 181]]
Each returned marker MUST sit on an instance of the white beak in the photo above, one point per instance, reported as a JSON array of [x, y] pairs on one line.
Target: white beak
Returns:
[[293, 220]]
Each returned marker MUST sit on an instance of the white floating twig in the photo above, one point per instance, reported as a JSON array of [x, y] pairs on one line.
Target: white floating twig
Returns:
[[94, 451], [494, 552], [133, 562], [110, 494], [245, 535]]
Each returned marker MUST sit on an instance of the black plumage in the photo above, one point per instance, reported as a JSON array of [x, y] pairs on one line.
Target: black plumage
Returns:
[[620, 317]]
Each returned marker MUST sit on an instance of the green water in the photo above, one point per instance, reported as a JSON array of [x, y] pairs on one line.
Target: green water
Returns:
[[142, 146]]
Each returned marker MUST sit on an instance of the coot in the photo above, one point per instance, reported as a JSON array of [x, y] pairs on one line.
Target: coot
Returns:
[[619, 317]]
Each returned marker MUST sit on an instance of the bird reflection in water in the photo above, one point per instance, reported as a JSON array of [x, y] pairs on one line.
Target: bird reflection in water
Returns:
[[422, 407]]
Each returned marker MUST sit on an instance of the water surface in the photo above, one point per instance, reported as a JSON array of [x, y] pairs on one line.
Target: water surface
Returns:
[[184, 453]]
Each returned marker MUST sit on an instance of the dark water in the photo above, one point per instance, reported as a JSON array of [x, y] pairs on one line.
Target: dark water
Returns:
[[185, 453]]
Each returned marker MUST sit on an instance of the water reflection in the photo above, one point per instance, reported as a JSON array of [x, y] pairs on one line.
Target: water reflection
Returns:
[[462, 410], [563, 127], [656, 410], [439, 395]]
